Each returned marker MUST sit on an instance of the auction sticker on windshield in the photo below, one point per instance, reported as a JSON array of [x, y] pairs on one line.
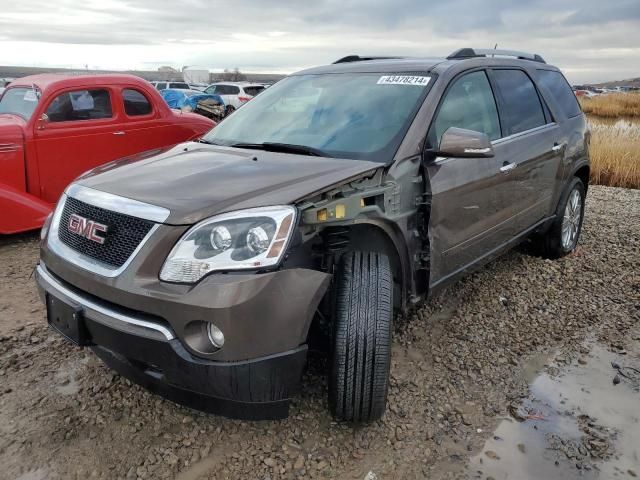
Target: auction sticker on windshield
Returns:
[[30, 96], [403, 80]]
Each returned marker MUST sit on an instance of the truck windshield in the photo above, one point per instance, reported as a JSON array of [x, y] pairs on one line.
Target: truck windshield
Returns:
[[351, 115], [19, 101]]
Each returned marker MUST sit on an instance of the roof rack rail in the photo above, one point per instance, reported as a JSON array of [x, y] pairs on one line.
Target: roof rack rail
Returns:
[[487, 52], [358, 58]]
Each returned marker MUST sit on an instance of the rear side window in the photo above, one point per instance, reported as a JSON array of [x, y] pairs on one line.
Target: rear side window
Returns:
[[80, 105], [253, 91], [183, 86], [468, 104], [135, 102], [560, 90], [227, 90], [521, 109]]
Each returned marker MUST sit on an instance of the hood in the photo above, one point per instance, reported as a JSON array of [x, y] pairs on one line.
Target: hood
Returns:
[[11, 128], [195, 181]]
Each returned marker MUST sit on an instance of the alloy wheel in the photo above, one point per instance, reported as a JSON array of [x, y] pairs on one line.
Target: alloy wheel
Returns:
[[571, 220]]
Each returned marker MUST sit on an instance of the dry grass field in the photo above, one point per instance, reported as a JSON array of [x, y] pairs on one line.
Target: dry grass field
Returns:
[[615, 141], [615, 153], [614, 105]]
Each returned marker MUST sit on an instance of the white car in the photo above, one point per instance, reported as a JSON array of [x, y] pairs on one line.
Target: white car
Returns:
[[235, 94], [200, 87], [174, 85], [4, 82]]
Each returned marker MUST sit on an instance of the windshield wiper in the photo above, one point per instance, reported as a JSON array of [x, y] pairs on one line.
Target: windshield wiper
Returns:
[[202, 140], [284, 147]]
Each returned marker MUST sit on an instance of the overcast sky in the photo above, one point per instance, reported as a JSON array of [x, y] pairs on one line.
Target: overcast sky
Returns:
[[591, 40]]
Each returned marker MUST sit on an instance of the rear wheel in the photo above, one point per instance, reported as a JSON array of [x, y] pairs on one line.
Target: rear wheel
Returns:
[[363, 314], [562, 237], [229, 110]]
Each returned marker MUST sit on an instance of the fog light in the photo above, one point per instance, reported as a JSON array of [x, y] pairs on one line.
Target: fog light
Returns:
[[216, 336]]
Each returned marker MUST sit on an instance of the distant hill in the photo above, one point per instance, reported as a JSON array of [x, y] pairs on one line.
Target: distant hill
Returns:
[[632, 82], [17, 72]]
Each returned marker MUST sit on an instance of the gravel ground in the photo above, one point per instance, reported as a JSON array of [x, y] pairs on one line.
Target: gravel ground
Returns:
[[459, 364]]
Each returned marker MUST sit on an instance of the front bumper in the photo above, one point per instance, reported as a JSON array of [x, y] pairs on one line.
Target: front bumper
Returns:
[[147, 351]]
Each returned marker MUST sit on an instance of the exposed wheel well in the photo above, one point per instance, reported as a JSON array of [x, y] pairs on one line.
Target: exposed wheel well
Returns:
[[368, 238], [583, 174]]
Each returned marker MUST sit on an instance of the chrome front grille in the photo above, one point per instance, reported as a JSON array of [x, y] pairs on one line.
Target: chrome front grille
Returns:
[[124, 233]]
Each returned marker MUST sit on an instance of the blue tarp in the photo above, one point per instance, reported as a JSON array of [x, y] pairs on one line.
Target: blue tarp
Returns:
[[178, 98], [193, 100]]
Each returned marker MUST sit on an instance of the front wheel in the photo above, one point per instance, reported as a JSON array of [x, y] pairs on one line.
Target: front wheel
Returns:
[[562, 237], [363, 314]]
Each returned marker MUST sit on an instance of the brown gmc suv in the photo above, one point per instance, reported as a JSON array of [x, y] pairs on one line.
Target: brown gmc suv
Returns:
[[335, 198]]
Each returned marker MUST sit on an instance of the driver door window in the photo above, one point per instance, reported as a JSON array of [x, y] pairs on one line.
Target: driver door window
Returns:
[[80, 105], [468, 104]]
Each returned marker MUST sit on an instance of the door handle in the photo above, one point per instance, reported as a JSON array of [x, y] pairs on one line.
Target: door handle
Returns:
[[507, 167], [119, 133]]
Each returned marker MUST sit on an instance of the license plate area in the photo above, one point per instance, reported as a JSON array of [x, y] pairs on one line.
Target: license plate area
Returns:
[[67, 320]]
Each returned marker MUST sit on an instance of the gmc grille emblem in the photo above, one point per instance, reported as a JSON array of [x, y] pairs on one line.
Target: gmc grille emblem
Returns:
[[86, 228]]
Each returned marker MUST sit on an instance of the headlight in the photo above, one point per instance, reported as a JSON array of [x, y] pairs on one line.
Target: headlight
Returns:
[[246, 239]]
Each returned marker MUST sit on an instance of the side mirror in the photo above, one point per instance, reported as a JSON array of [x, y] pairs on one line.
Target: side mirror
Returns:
[[462, 143], [42, 121]]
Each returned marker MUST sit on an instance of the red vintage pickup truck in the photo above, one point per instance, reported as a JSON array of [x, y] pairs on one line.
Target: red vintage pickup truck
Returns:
[[55, 127]]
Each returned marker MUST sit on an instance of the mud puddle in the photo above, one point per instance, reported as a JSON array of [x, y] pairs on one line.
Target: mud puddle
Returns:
[[576, 423]]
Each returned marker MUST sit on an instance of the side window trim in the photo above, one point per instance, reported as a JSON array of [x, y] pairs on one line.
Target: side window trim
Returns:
[[523, 133], [496, 93], [546, 112]]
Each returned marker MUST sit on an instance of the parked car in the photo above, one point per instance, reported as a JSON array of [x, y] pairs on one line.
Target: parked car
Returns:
[[210, 106], [235, 94], [200, 87], [585, 93], [174, 85], [55, 127], [388, 179], [4, 83]]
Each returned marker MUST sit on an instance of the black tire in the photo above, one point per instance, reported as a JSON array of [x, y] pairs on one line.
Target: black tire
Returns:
[[229, 110], [363, 314], [550, 245]]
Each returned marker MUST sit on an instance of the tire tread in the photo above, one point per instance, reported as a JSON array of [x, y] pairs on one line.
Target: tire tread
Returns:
[[362, 337]]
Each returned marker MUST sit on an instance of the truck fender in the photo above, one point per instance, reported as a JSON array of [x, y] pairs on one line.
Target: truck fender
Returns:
[[20, 211]]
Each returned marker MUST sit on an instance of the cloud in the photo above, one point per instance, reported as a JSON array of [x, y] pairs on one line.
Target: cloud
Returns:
[[604, 12], [590, 39]]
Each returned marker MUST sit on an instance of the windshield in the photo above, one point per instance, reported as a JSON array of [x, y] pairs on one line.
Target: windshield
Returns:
[[19, 101], [353, 115]]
